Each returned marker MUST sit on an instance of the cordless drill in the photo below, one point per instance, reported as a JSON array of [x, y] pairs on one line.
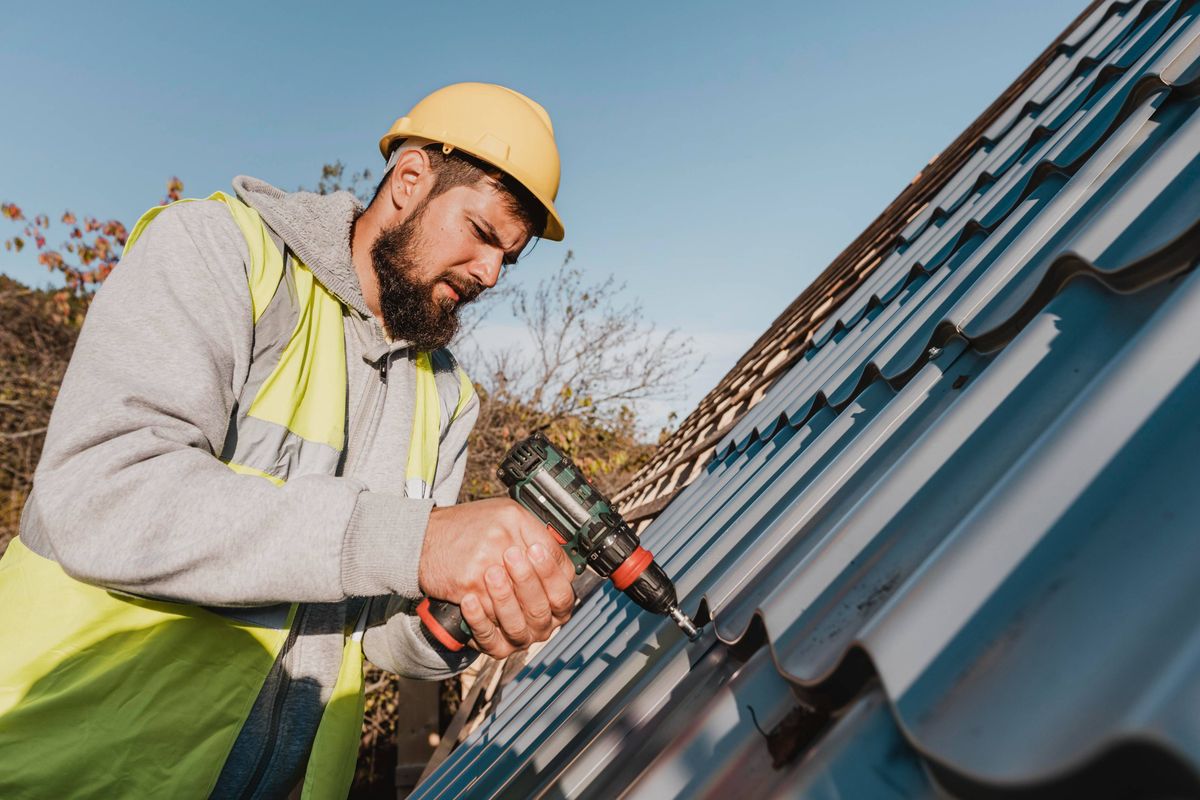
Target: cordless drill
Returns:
[[542, 479]]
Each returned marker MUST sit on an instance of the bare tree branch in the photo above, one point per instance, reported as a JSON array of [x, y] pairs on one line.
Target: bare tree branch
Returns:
[[591, 361], [23, 434]]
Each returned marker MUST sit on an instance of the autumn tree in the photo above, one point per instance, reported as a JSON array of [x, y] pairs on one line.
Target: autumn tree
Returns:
[[334, 179], [89, 251]]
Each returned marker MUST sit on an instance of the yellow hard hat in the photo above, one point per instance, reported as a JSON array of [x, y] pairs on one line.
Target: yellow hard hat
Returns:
[[495, 124]]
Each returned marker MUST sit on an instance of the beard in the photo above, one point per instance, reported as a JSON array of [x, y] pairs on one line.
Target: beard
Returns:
[[406, 302]]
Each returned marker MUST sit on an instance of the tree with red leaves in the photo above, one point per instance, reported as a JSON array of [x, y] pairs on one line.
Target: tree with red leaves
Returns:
[[85, 257]]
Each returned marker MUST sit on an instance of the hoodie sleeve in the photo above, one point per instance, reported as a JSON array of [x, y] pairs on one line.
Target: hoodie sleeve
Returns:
[[396, 642], [129, 493]]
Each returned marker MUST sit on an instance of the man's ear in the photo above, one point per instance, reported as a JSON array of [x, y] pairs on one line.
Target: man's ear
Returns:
[[411, 171]]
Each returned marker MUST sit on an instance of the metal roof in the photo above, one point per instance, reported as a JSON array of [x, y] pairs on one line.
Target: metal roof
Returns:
[[954, 548]]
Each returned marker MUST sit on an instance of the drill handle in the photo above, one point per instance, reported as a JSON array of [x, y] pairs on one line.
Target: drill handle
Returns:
[[443, 623]]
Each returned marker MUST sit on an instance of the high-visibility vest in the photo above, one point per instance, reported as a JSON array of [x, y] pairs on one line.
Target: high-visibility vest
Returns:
[[104, 694]]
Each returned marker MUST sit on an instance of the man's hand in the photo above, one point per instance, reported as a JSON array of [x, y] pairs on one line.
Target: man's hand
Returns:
[[506, 572]]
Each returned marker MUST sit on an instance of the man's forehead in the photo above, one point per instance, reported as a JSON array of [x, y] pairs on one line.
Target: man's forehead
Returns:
[[490, 200]]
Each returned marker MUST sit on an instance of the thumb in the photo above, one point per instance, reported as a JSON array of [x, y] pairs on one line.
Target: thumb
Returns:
[[486, 635]]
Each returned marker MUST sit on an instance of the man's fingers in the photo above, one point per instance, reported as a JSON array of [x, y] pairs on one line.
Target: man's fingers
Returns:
[[530, 593], [508, 609], [485, 603], [560, 559], [487, 636], [534, 531], [555, 584]]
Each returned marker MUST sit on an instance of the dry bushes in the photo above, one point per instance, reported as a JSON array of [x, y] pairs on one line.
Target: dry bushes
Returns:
[[36, 341]]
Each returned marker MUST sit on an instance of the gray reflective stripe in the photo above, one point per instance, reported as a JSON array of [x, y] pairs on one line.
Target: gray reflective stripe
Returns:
[[417, 488], [271, 334], [275, 616], [445, 375], [267, 446], [271, 448], [275, 327]]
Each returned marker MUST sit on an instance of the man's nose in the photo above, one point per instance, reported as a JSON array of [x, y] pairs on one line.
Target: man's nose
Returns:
[[486, 268]]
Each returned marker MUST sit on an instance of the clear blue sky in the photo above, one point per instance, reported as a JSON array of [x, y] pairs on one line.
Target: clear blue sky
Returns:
[[716, 156]]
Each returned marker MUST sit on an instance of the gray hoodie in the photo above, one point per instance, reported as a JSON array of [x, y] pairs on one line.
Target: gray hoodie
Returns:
[[129, 493]]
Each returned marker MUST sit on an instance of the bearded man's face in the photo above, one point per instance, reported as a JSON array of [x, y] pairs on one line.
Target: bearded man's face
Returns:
[[410, 307], [441, 256]]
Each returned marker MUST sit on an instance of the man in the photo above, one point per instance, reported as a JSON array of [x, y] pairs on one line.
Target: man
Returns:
[[250, 471]]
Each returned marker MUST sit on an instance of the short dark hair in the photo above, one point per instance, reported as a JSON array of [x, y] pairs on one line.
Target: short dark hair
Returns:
[[457, 168]]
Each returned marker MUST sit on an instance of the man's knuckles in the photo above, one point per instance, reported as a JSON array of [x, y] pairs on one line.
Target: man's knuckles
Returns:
[[563, 603], [541, 620], [513, 518], [498, 584], [518, 565]]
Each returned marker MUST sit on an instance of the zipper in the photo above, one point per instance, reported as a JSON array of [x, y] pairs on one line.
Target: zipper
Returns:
[[356, 427], [275, 718], [368, 409]]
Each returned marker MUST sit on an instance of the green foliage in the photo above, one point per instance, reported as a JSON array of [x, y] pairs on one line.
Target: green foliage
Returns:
[[334, 179]]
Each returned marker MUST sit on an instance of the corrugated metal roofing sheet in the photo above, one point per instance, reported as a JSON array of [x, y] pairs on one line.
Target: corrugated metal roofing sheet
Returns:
[[955, 549]]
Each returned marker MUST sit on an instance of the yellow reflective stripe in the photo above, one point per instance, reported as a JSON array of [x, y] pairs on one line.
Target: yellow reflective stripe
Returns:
[[266, 262], [143, 221], [466, 390], [334, 754], [306, 393], [427, 425], [258, 473]]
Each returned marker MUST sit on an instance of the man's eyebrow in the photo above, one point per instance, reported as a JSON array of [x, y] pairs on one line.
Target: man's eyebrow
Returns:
[[489, 235]]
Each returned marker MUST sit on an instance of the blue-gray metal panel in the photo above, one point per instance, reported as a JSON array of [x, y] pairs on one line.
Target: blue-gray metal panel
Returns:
[[1000, 408], [994, 202], [723, 754], [1024, 595], [1149, 200], [1016, 141], [865, 756], [1182, 196], [714, 749]]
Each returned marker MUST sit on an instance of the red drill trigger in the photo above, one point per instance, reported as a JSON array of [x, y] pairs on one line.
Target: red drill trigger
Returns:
[[558, 536]]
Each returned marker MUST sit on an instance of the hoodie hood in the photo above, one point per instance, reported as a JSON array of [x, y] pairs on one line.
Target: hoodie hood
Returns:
[[316, 227]]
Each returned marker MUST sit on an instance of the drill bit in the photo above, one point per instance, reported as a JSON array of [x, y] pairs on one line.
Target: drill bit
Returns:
[[684, 622]]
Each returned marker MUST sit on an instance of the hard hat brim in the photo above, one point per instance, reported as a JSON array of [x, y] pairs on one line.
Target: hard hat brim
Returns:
[[553, 229]]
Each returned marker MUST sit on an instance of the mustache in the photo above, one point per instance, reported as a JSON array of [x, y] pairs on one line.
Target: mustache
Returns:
[[467, 291]]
